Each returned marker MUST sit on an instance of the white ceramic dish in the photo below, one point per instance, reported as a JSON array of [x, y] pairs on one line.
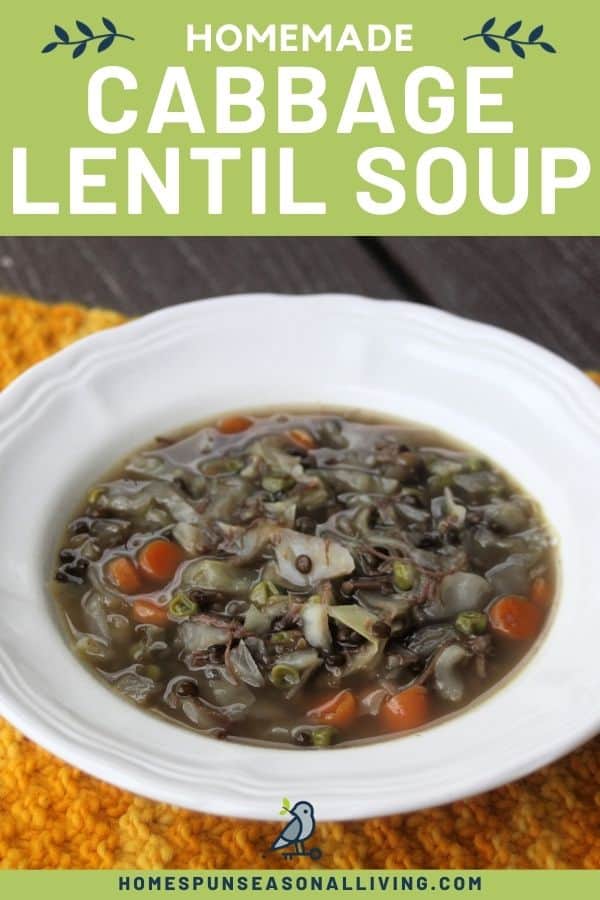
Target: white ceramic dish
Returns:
[[66, 420]]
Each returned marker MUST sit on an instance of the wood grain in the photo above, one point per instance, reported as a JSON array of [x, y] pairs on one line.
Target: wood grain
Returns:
[[137, 275], [546, 289]]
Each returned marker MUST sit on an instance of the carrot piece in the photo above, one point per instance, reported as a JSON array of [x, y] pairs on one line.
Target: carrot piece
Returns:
[[123, 573], [148, 613], [516, 618], [339, 711], [234, 424], [159, 559], [540, 592], [302, 439], [405, 710]]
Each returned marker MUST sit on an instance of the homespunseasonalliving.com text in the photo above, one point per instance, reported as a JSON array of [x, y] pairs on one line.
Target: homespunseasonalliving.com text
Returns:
[[295, 100], [393, 884]]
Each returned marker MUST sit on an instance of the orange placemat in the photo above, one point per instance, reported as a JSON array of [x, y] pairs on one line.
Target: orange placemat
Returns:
[[53, 816]]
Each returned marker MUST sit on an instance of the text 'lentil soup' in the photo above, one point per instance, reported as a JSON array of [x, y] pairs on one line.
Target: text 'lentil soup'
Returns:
[[305, 579]]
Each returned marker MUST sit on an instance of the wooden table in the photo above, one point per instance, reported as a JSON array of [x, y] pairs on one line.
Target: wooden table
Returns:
[[547, 289]]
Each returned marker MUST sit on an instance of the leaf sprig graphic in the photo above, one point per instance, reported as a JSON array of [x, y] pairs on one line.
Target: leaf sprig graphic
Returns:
[[492, 40], [105, 39], [285, 807]]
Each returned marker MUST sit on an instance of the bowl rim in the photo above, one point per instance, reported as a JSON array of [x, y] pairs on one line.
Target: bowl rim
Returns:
[[579, 405]]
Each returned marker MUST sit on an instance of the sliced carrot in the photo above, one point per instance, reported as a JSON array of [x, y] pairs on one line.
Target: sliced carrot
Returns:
[[148, 613], [540, 592], [339, 711], [123, 573], [302, 439], [234, 424], [406, 710], [516, 618], [159, 560]]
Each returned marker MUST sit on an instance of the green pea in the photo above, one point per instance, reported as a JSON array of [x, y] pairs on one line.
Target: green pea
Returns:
[[284, 676], [404, 575], [283, 637], [471, 622], [444, 467], [153, 672], [474, 464], [323, 736], [181, 606], [274, 484], [262, 592], [228, 465], [437, 483]]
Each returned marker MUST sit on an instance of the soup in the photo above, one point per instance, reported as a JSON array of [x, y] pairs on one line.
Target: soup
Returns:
[[305, 579]]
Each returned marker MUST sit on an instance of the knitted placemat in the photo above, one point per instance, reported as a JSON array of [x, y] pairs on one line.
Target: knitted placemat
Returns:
[[54, 816]]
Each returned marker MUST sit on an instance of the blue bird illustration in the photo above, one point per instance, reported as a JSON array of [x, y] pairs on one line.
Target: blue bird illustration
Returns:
[[298, 830]]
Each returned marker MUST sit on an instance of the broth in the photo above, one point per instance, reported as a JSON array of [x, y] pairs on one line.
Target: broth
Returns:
[[305, 578]]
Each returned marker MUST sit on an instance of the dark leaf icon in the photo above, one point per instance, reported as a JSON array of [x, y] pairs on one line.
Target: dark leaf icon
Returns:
[[536, 33], [105, 44], [512, 29], [492, 44], [84, 29], [494, 40], [104, 39]]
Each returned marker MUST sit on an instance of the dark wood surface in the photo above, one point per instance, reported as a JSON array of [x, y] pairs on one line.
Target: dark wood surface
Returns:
[[547, 289]]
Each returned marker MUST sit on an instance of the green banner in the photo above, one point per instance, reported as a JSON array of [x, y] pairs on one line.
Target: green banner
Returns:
[[418, 117], [518, 885]]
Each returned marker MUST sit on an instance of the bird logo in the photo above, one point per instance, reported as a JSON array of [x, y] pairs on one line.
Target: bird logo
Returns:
[[298, 830]]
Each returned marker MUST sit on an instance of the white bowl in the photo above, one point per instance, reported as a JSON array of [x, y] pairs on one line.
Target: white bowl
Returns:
[[68, 419]]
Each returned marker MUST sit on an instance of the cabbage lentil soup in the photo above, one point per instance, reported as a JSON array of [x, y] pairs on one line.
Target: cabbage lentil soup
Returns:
[[305, 579]]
